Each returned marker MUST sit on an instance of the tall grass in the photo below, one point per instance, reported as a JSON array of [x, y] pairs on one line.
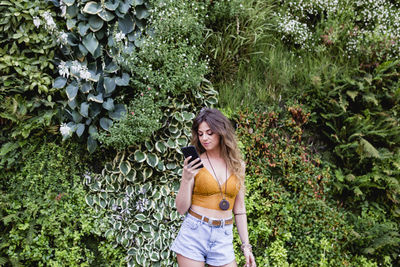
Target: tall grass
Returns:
[[253, 67]]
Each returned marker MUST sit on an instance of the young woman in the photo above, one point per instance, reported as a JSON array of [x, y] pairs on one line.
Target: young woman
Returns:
[[210, 194]]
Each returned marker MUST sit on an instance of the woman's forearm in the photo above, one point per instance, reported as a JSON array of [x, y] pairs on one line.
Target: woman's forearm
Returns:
[[184, 197], [241, 225]]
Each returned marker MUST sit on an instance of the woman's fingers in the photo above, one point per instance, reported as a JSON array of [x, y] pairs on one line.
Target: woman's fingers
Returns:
[[193, 164], [196, 163], [186, 162]]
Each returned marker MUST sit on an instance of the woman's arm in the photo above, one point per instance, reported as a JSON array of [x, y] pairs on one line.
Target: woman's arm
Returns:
[[183, 199], [239, 211]]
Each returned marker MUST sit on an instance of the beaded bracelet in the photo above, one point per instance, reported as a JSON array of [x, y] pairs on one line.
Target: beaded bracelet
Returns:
[[246, 245]]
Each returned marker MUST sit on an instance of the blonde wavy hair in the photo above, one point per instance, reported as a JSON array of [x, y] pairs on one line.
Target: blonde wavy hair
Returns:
[[221, 125]]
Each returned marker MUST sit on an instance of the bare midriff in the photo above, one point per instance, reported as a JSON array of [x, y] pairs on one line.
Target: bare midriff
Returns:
[[217, 214]]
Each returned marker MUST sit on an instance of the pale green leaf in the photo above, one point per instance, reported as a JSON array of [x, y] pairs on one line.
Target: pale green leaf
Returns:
[[92, 8]]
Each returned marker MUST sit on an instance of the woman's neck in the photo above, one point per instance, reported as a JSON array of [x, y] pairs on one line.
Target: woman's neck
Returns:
[[215, 153]]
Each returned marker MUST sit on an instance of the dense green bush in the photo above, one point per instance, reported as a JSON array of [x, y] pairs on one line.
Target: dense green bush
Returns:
[[292, 218], [143, 117], [90, 76], [26, 68], [169, 59], [367, 30], [358, 114], [44, 217]]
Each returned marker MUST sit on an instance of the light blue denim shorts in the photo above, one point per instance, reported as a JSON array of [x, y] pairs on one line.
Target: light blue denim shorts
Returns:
[[197, 240]]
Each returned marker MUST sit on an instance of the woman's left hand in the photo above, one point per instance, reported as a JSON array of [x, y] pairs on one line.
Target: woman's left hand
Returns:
[[250, 261]]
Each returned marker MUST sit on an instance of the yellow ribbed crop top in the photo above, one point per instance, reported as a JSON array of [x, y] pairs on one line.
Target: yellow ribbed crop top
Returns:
[[206, 192]]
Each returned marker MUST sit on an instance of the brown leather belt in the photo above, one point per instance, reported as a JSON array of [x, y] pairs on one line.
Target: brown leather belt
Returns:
[[215, 222]]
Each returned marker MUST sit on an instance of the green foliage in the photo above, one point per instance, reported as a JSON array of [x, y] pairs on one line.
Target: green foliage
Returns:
[[44, 218], [142, 119], [137, 189], [358, 114], [89, 73], [292, 219], [26, 67], [234, 28], [169, 59], [362, 29]]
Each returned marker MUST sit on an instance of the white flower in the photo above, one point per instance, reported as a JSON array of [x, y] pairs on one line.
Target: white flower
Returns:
[[63, 8], [50, 24], [65, 130], [84, 73], [63, 69], [119, 37], [76, 66], [36, 21], [63, 38]]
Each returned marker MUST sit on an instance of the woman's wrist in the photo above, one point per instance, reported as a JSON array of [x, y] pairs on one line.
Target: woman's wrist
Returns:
[[246, 246]]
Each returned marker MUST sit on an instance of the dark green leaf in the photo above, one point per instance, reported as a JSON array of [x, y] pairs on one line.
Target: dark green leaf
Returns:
[[126, 24], [109, 104], [80, 128], [91, 145], [72, 104], [72, 90], [118, 112], [109, 84], [76, 116], [72, 11], [111, 4], [112, 67], [59, 82], [124, 6], [83, 49], [106, 123], [95, 23], [138, 2], [98, 98], [122, 81], [85, 109], [71, 23], [106, 15], [82, 28], [142, 12], [90, 42], [92, 130], [69, 2], [86, 87]]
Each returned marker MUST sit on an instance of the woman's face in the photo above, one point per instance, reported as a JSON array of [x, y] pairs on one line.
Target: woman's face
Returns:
[[208, 139]]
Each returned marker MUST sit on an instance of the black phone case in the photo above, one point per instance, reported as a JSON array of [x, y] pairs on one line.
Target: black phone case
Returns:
[[191, 151]]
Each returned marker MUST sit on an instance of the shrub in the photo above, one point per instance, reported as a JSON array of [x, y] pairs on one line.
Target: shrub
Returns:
[[45, 221], [169, 59], [362, 29], [292, 219], [143, 117], [26, 76], [357, 113]]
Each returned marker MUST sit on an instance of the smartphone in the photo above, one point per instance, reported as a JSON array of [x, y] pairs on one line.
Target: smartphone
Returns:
[[191, 151]]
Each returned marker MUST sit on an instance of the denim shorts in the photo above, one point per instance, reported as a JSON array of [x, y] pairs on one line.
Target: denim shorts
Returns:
[[197, 240]]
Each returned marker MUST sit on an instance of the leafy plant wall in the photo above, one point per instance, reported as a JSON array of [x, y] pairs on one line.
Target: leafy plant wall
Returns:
[[26, 64], [137, 189], [89, 73], [360, 124]]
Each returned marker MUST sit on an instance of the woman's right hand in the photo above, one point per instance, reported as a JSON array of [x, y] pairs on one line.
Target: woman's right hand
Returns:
[[190, 170]]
